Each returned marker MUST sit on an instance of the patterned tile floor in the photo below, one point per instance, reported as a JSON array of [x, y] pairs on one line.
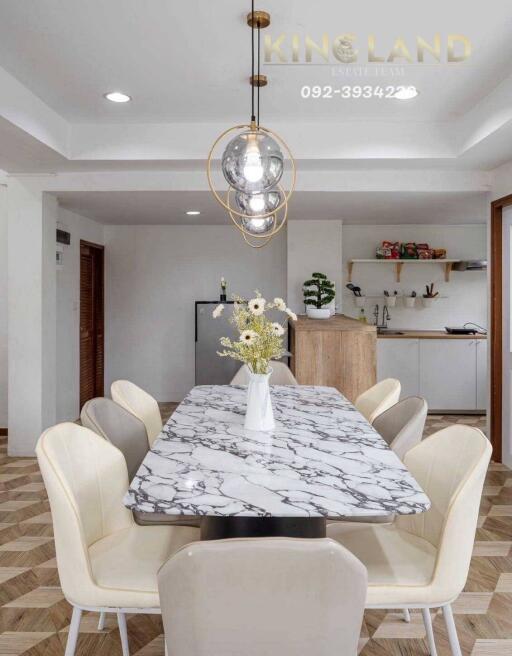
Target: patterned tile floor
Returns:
[[34, 615]]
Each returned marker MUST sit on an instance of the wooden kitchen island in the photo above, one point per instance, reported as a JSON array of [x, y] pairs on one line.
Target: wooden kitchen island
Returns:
[[339, 352]]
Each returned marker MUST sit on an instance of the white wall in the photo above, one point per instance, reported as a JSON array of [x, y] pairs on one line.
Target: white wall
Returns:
[[3, 306], [466, 292], [68, 312], [31, 315], [153, 276], [501, 181], [312, 246]]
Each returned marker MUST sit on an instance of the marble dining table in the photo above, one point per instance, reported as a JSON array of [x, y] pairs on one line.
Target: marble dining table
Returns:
[[322, 461]]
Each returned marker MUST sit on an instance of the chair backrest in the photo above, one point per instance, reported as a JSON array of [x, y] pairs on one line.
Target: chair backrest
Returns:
[[262, 597], [402, 425], [86, 478], [450, 466], [281, 375], [118, 426], [378, 398], [139, 403]]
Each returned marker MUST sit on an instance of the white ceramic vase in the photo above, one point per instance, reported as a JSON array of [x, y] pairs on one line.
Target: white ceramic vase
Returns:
[[259, 415]]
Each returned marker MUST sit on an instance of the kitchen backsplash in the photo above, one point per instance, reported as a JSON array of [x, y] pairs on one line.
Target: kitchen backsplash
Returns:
[[462, 299]]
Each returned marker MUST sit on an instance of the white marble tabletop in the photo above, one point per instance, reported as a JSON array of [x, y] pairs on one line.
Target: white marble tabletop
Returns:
[[322, 460]]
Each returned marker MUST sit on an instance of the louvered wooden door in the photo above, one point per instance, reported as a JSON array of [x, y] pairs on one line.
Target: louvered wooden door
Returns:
[[91, 321]]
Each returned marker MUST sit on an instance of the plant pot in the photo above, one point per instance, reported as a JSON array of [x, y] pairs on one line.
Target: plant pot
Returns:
[[259, 415], [390, 301], [360, 300], [427, 301], [318, 313], [409, 301]]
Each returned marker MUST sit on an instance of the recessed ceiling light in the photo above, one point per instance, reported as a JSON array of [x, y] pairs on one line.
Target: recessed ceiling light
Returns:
[[117, 97], [406, 93], [193, 212]]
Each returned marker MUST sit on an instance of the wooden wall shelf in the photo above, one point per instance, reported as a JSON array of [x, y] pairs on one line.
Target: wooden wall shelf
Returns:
[[447, 264]]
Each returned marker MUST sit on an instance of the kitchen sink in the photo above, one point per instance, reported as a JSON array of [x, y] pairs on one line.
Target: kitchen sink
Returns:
[[388, 331]]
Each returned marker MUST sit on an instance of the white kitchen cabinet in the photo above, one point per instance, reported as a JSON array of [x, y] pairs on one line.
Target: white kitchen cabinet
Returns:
[[451, 374], [481, 374], [448, 373], [399, 358]]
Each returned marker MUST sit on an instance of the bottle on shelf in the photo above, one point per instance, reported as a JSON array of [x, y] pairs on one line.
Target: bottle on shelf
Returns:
[[362, 316]]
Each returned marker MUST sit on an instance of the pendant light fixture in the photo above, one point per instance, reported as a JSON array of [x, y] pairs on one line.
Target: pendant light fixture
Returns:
[[253, 163]]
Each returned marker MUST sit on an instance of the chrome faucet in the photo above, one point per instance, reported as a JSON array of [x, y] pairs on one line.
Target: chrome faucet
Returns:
[[385, 316]]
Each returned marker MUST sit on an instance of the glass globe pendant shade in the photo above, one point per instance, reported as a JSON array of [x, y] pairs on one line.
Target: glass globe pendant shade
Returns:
[[258, 204], [259, 226], [252, 162]]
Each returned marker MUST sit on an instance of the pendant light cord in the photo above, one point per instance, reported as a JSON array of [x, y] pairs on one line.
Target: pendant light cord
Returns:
[[253, 117], [258, 114]]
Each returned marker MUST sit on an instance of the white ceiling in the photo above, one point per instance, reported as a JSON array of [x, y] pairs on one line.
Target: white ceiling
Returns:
[[186, 64], [189, 61], [385, 208]]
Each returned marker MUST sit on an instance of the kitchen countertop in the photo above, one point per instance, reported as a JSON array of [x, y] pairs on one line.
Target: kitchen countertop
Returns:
[[338, 322], [428, 334]]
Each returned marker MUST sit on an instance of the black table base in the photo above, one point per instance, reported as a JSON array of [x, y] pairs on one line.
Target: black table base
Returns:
[[218, 528]]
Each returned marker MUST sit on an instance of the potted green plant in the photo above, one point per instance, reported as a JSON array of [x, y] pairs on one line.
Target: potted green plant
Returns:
[[318, 291]]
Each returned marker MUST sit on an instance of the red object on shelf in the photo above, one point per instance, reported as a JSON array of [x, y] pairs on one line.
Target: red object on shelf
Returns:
[[390, 250]]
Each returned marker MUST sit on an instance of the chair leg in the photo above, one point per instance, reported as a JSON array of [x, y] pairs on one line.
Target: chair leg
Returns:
[[101, 621], [74, 627], [452, 630], [427, 621], [123, 632], [407, 615]]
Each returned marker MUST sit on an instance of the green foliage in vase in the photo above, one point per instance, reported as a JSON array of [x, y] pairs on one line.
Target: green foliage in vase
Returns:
[[319, 291], [260, 340]]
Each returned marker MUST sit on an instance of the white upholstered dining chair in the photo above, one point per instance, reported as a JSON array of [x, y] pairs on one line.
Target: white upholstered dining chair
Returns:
[[422, 561], [402, 428], [128, 434], [262, 597], [106, 562], [120, 427], [139, 403], [378, 398], [402, 425], [281, 375]]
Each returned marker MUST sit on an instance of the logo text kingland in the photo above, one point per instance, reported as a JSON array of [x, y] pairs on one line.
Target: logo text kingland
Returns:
[[345, 48]]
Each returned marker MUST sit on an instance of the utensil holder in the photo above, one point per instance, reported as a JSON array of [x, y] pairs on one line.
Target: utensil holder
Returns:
[[360, 300], [409, 301], [390, 301], [427, 302]]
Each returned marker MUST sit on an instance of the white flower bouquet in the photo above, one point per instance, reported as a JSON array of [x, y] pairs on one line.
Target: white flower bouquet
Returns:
[[260, 339]]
